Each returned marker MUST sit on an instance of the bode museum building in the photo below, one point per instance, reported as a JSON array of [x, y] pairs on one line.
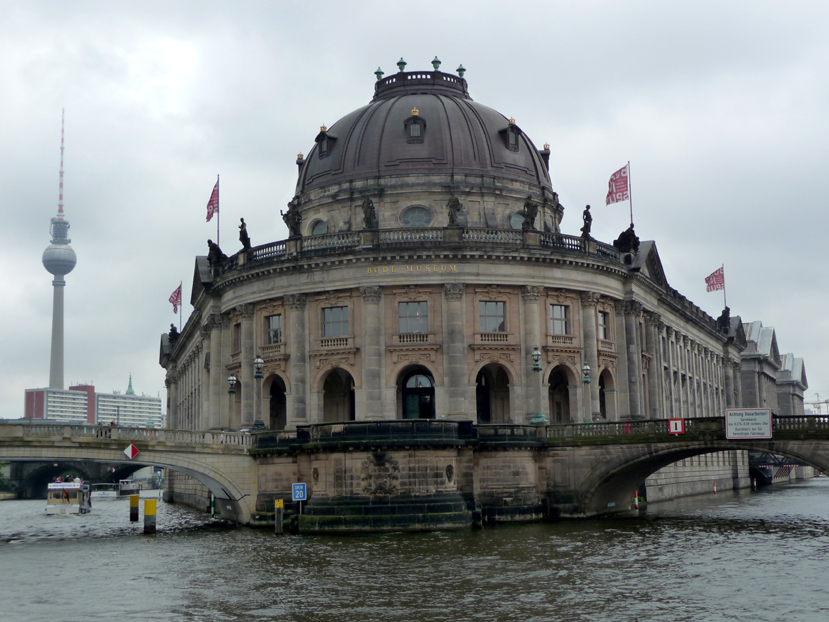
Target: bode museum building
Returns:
[[426, 277]]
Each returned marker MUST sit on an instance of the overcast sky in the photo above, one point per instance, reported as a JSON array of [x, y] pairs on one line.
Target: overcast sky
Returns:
[[722, 108]]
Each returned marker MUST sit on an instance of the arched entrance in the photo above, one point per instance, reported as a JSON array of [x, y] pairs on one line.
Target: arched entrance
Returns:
[[607, 395], [492, 394], [417, 394], [338, 396], [277, 408], [559, 396], [236, 405]]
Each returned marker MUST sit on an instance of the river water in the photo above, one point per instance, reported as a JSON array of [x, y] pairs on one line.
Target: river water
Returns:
[[737, 556]]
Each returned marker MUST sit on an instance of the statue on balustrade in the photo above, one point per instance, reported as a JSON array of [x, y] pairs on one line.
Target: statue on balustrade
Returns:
[[530, 212], [587, 218], [369, 214], [627, 242], [454, 206], [215, 256], [293, 219], [243, 235]]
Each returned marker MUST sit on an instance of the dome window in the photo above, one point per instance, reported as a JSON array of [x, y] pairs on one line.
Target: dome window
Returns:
[[415, 127], [325, 142], [319, 228], [510, 135], [416, 216]]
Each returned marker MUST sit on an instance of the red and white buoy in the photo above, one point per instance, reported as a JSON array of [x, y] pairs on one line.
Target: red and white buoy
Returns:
[[715, 487], [755, 484], [636, 500]]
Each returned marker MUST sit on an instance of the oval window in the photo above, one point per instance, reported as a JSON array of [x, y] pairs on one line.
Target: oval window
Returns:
[[416, 216], [516, 221], [319, 228]]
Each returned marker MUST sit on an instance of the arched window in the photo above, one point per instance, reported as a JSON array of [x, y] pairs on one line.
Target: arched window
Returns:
[[418, 393], [416, 216], [319, 228]]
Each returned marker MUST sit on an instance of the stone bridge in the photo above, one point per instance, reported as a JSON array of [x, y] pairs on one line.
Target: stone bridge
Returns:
[[569, 470], [220, 461]]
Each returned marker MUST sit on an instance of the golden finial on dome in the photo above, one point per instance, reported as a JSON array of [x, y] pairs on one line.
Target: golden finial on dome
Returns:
[[323, 128], [300, 156], [511, 121], [415, 111], [547, 146]]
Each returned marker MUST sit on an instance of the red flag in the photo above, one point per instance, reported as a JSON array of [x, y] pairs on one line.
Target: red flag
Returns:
[[213, 203], [716, 280], [618, 189], [175, 298]]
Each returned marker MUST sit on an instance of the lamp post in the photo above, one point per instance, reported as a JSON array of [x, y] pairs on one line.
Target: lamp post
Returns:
[[585, 369], [538, 418], [231, 380], [258, 364]]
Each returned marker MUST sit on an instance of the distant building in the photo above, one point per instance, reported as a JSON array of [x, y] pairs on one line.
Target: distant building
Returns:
[[80, 404]]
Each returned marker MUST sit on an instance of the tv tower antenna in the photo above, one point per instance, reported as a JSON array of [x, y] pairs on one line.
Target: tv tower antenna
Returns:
[[59, 259]]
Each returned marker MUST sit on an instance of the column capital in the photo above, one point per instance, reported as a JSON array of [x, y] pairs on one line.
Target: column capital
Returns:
[[669, 332], [295, 301], [205, 330], [632, 307], [245, 310], [372, 294], [453, 291], [531, 293], [654, 319], [590, 298]]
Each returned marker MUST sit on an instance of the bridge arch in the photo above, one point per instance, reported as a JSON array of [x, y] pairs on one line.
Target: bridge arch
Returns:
[[610, 483]]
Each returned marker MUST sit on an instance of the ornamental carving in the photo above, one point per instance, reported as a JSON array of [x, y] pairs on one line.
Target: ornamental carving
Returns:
[[295, 301], [333, 299], [204, 331], [531, 293], [654, 319], [270, 308], [562, 359], [245, 310], [669, 332], [590, 299], [379, 474], [560, 296], [414, 356], [453, 291], [632, 307], [412, 292], [371, 295], [608, 363], [619, 306]]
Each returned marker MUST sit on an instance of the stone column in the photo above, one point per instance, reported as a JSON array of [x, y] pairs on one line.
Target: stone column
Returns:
[[297, 348], [590, 347], [739, 398], [729, 384], [532, 379], [671, 394], [246, 360], [622, 388], [172, 399], [216, 381], [634, 357], [226, 402], [372, 370], [455, 340], [653, 322]]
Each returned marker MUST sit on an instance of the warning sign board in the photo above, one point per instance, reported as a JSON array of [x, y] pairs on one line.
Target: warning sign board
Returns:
[[131, 451], [747, 423], [676, 426]]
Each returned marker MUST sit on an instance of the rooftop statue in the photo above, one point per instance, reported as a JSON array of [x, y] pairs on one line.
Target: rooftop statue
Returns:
[[627, 242], [587, 217], [293, 219], [174, 334], [215, 256], [724, 321], [369, 214], [454, 206], [243, 235], [530, 212]]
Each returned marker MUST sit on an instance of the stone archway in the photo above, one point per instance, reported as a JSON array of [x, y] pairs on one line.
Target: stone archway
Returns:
[[560, 395], [416, 393], [338, 396], [607, 396], [492, 394], [277, 404]]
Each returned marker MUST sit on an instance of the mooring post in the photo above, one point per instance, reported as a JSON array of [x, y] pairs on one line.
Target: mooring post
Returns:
[[149, 515], [277, 515], [133, 508]]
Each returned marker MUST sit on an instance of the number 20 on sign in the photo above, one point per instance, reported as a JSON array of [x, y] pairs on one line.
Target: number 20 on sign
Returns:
[[676, 426]]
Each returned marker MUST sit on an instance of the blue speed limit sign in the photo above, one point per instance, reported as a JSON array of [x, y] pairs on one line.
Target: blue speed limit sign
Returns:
[[298, 492]]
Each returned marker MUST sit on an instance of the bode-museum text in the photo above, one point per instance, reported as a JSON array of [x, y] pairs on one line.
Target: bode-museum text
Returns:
[[443, 267]]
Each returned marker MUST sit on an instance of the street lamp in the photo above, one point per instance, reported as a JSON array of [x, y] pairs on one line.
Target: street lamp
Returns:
[[536, 357], [231, 380], [258, 364], [585, 369]]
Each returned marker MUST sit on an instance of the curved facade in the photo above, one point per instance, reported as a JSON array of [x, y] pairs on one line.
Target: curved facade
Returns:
[[424, 268]]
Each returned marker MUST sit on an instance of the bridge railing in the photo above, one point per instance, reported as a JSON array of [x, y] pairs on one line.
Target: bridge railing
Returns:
[[118, 433], [388, 430]]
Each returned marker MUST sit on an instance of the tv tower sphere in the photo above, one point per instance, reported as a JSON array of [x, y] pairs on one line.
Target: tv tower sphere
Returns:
[[59, 258]]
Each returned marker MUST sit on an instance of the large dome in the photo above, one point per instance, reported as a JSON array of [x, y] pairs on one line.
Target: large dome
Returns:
[[454, 135]]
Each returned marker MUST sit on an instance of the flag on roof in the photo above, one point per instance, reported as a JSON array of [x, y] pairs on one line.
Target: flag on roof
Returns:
[[715, 280], [618, 188], [213, 203], [175, 298]]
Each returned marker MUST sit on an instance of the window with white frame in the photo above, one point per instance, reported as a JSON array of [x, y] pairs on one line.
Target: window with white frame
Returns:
[[273, 329], [413, 317], [604, 325], [559, 319], [335, 322], [491, 316]]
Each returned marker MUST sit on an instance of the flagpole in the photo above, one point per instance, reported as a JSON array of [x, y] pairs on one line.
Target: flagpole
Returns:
[[630, 195], [218, 214], [180, 283], [725, 304]]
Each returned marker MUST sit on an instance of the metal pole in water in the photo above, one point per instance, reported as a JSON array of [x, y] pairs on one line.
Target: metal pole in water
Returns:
[[133, 508], [277, 516], [149, 515]]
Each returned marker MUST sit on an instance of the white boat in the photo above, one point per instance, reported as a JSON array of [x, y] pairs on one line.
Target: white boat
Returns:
[[68, 498], [128, 487], [104, 492]]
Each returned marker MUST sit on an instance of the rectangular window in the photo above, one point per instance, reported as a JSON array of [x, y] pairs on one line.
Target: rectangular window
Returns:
[[237, 338], [414, 130], [335, 322], [491, 317], [413, 317], [273, 329], [604, 325], [558, 319]]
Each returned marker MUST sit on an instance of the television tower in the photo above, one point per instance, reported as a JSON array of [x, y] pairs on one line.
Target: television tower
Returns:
[[59, 260]]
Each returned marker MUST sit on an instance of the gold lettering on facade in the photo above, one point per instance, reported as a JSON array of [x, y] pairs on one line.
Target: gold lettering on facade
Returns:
[[409, 268], [415, 268]]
